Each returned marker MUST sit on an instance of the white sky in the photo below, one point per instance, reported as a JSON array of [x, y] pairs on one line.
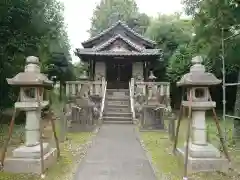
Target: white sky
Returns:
[[79, 12]]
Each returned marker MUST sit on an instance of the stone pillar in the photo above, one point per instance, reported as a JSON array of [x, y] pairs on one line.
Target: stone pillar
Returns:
[[79, 86], [199, 128], [32, 128], [137, 70], [67, 89], [103, 85], [73, 90], [100, 71]]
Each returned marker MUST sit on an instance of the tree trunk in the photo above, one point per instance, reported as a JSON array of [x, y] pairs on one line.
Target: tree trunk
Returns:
[[236, 130]]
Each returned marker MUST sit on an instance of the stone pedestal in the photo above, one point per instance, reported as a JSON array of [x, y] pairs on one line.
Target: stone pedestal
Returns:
[[151, 119], [96, 99], [27, 158], [204, 163], [82, 116], [203, 156]]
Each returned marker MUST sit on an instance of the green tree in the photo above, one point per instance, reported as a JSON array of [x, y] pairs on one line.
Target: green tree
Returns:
[[169, 31], [109, 12], [210, 18], [27, 28]]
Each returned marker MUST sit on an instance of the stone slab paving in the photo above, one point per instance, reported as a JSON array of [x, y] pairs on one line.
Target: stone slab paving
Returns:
[[116, 154]]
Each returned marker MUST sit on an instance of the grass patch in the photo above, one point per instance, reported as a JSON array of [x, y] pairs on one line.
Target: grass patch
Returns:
[[171, 167], [72, 150]]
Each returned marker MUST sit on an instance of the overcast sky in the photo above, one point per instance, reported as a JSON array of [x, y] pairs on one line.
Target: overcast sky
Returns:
[[79, 12]]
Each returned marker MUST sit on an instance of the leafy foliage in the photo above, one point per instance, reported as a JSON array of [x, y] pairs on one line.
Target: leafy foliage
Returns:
[[28, 28], [170, 32], [210, 17], [179, 63], [109, 12]]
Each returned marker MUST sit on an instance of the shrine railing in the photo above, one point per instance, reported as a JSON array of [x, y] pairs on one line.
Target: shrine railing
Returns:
[[73, 88], [131, 93], [159, 91], [103, 99]]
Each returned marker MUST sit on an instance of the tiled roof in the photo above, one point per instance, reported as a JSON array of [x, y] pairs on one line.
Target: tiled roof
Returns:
[[119, 36], [145, 52], [126, 27]]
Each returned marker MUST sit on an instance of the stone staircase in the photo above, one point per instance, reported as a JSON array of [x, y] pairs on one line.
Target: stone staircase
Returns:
[[117, 108]]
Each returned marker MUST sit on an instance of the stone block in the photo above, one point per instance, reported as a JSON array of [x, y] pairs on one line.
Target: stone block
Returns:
[[205, 151], [30, 165], [30, 152], [205, 164], [151, 119]]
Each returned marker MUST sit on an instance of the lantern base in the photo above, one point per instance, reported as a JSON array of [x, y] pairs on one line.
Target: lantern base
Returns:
[[28, 159], [31, 151], [203, 151], [205, 164]]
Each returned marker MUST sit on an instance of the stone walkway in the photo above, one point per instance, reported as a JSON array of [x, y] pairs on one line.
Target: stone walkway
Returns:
[[116, 154]]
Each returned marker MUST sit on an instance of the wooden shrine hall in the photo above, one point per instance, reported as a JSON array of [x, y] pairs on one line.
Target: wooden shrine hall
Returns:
[[120, 79], [118, 54]]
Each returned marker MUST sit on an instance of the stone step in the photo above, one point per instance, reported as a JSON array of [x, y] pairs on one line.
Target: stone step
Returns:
[[118, 93], [117, 109], [118, 103], [109, 96], [118, 122], [116, 118], [117, 90], [117, 98], [117, 114], [114, 98]]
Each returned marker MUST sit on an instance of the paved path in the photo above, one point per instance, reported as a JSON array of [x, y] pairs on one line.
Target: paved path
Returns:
[[116, 154]]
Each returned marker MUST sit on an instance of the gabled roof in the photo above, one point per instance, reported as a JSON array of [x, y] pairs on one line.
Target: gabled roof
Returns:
[[119, 36], [119, 23], [145, 52]]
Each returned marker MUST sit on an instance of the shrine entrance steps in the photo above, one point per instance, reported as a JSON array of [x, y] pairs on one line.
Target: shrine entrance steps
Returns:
[[117, 107]]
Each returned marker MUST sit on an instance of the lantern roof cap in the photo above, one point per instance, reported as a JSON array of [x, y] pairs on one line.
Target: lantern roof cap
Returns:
[[31, 75], [198, 75]]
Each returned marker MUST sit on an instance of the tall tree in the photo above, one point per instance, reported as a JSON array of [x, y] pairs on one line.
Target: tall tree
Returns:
[[27, 28], [214, 21], [110, 11], [169, 31]]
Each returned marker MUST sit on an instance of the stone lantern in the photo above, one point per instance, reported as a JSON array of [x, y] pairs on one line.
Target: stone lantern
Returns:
[[152, 77], [152, 90], [203, 156], [84, 76], [26, 158], [150, 118]]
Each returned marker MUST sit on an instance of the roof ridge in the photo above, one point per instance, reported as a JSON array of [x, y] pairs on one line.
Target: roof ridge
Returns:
[[101, 33], [125, 26], [115, 38], [137, 34]]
